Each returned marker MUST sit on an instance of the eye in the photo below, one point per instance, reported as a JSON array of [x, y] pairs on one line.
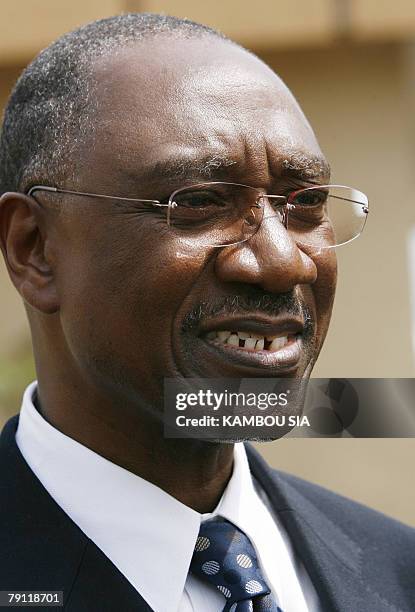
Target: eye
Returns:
[[308, 208], [310, 198], [199, 199]]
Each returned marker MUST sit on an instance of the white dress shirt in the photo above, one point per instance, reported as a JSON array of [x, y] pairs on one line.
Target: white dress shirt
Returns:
[[149, 535]]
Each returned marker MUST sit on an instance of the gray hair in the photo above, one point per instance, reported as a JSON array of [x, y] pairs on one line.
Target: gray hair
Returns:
[[50, 105]]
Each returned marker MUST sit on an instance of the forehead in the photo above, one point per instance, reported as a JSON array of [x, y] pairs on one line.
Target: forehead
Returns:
[[197, 104]]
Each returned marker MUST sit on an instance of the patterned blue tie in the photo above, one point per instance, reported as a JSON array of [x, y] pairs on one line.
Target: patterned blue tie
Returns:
[[225, 558]]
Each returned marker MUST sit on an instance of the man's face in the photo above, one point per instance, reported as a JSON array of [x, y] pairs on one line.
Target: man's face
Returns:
[[141, 301]]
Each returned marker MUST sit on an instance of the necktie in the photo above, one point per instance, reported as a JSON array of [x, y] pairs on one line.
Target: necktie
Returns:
[[224, 557]]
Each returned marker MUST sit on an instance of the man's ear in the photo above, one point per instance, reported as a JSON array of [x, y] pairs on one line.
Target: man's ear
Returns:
[[23, 241]]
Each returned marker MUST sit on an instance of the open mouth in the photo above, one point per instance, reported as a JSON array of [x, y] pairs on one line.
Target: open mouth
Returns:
[[252, 341]]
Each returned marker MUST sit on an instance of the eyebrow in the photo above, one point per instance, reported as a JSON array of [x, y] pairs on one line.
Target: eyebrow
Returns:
[[296, 165], [188, 167]]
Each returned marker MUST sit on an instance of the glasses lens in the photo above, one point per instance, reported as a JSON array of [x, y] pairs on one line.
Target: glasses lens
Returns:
[[325, 217], [219, 214]]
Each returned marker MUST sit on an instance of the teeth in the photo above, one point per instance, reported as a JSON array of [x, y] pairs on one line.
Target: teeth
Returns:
[[278, 343], [243, 335], [250, 340], [233, 339]]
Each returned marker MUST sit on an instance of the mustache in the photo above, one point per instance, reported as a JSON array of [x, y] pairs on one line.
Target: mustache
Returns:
[[255, 301]]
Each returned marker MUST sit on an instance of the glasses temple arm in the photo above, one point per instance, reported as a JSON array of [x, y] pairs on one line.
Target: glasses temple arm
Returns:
[[35, 188]]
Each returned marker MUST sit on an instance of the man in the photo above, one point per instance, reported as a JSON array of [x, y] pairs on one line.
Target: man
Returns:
[[122, 292]]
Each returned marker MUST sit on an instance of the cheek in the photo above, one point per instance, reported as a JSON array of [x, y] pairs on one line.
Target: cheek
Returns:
[[324, 289], [121, 297]]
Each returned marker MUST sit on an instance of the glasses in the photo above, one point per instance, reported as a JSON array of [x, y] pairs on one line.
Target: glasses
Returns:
[[223, 214]]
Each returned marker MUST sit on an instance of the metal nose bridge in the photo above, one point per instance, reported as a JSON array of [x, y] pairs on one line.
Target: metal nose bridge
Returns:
[[277, 202]]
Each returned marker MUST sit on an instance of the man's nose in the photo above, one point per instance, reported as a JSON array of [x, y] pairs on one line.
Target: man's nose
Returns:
[[270, 259]]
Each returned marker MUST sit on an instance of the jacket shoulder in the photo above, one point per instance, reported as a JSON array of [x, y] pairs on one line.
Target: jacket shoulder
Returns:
[[350, 513], [370, 530]]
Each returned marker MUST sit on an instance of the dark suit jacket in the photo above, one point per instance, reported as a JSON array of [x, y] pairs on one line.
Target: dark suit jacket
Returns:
[[358, 559]]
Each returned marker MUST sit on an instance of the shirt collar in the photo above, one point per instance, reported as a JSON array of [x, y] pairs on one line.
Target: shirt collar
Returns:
[[148, 534]]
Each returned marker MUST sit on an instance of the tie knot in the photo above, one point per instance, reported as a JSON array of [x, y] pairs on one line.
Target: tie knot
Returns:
[[225, 557]]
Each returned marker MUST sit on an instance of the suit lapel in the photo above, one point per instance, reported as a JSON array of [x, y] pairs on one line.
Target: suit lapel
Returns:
[[332, 560], [41, 548], [100, 586]]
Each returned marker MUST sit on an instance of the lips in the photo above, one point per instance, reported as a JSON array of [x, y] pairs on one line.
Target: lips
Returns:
[[255, 342], [251, 340]]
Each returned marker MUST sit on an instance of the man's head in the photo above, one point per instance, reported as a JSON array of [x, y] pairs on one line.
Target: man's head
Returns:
[[138, 106]]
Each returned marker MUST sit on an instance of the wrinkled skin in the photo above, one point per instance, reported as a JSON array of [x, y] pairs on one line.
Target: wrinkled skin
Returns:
[[108, 287]]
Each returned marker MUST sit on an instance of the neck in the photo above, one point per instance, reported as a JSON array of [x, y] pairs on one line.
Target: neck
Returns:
[[194, 472]]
